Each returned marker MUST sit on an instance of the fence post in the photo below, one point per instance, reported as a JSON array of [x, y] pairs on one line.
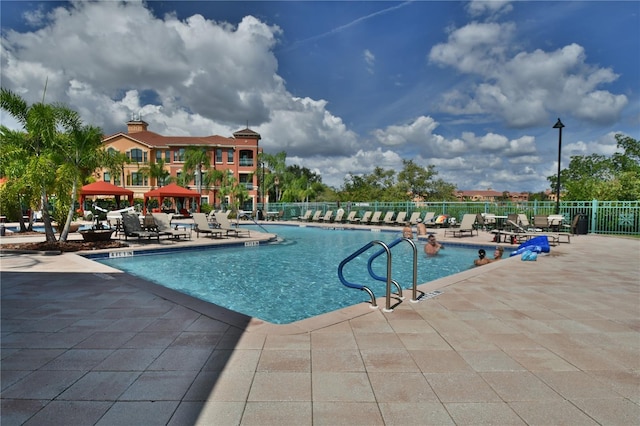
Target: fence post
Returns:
[[594, 215]]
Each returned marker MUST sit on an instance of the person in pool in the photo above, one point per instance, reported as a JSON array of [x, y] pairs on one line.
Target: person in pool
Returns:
[[482, 258], [432, 247], [497, 254], [407, 232]]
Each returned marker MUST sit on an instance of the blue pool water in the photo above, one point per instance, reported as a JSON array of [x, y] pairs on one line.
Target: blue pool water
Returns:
[[295, 279]]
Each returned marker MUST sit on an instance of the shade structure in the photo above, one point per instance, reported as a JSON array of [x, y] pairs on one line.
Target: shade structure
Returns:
[[170, 191], [104, 188]]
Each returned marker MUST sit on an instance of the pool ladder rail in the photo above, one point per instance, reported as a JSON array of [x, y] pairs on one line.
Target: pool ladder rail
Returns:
[[386, 248]]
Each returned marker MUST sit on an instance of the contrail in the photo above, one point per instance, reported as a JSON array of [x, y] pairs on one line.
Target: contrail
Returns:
[[345, 26]]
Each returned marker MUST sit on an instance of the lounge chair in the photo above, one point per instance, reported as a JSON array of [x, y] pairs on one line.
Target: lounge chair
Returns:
[[327, 216], [413, 220], [163, 224], [439, 221], [225, 226], [573, 226], [401, 219], [466, 226], [375, 219], [202, 226], [132, 228], [429, 218], [316, 216], [388, 218], [366, 217], [351, 218], [305, 217], [541, 221], [339, 216]]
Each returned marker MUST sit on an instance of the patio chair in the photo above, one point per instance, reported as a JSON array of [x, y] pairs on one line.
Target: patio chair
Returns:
[[316, 216], [413, 220], [401, 219], [339, 216], [541, 221], [305, 217], [132, 228], [366, 217], [388, 218], [351, 218], [466, 226], [225, 225], [429, 218], [202, 226], [163, 225], [327, 216], [375, 219]]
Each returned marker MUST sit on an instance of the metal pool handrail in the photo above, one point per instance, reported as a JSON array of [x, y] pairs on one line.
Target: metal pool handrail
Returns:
[[363, 287], [415, 267]]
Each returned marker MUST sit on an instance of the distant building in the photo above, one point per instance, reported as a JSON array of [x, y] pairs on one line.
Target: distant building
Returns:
[[491, 196], [237, 155]]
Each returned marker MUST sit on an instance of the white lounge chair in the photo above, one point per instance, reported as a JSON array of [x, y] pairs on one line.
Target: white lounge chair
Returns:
[[466, 226], [351, 218], [327, 216], [401, 219], [388, 218], [375, 219], [225, 225], [316, 216], [163, 224], [306, 217], [202, 226], [413, 220], [366, 217]]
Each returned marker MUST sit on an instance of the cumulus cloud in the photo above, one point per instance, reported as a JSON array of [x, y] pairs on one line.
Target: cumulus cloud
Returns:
[[523, 88]]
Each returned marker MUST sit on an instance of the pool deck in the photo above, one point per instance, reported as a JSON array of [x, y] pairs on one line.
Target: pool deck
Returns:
[[556, 341]]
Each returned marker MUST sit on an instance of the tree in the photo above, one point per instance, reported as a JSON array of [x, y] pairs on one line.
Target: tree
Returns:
[[80, 154], [416, 179], [603, 178], [195, 159], [42, 124], [156, 173]]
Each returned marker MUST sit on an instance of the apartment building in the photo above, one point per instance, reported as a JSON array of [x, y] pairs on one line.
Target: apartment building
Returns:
[[237, 155], [491, 196]]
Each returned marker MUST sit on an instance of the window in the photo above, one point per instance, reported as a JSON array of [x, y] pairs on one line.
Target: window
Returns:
[[230, 153], [107, 177], [112, 151], [138, 155], [246, 158], [218, 155], [167, 156], [137, 179], [246, 181], [178, 155], [158, 155]]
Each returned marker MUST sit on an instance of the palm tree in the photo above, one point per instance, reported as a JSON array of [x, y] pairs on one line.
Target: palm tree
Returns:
[[195, 159], [41, 123], [156, 172], [213, 178], [80, 156]]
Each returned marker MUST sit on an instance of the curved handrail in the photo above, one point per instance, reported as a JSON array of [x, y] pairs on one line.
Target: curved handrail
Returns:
[[394, 243], [361, 286]]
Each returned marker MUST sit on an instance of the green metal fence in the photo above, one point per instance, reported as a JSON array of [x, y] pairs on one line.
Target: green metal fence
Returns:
[[604, 217]]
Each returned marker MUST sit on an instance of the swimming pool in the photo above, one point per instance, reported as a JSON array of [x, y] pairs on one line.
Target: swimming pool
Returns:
[[294, 279]]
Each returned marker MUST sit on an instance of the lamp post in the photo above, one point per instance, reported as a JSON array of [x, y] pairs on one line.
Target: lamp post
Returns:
[[558, 126]]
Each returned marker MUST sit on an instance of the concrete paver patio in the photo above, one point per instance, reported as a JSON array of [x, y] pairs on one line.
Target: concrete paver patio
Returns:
[[556, 341]]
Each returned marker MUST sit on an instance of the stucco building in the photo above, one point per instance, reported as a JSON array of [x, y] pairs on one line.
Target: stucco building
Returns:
[[237, 156]]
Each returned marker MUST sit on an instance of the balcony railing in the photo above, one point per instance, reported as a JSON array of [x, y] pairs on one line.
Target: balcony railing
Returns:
[[246, 162]]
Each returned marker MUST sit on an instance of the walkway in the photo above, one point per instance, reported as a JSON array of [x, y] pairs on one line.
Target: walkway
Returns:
[[549, 342]]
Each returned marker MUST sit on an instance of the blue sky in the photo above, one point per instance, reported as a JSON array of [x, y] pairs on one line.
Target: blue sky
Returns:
[[473, 88]]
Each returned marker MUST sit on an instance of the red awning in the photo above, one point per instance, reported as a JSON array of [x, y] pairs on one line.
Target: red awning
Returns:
[[171, 190], [104, 188]]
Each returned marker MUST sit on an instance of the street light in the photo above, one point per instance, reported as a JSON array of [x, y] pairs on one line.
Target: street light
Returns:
[[558, 126]]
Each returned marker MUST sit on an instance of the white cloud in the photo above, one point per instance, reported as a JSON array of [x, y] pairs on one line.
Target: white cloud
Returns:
[[523, 89]]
